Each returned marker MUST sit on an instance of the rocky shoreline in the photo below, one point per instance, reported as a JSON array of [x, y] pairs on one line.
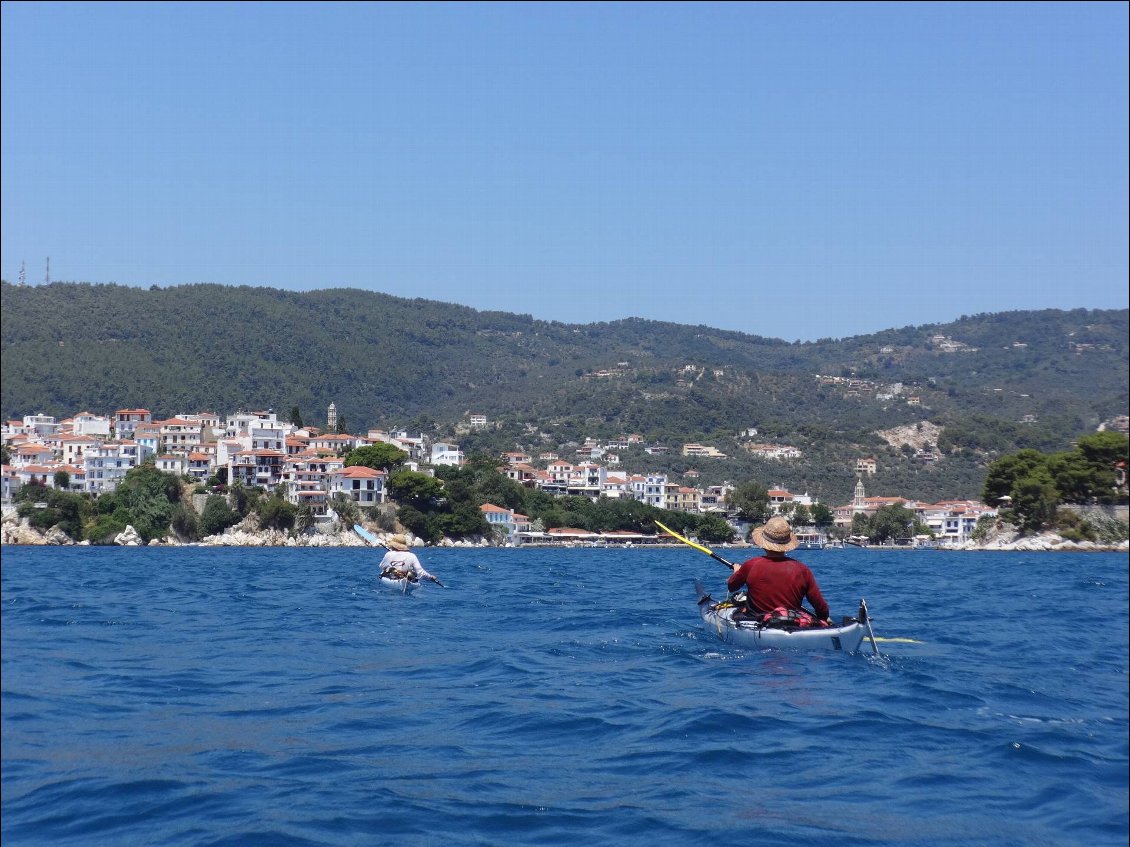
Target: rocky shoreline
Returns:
[[17, 531]]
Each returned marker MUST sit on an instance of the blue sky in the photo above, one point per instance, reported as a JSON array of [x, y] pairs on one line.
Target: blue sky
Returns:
[[793, 170]]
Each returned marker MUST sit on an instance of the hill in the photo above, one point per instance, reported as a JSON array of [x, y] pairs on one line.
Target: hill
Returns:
[[991, 383]]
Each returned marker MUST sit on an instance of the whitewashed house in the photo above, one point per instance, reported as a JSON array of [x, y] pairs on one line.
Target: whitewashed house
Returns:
[[148, 439], [256, 468], [499, 519], [32, 454], [200, 465], [364, 486], [89, 424], [446, 454], [172, 463], [107, 464], [75, 446], [180, 436], [127, 420], [41, 425]]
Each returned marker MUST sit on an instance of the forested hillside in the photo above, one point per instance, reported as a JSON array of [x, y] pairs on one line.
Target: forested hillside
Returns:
[[994, 383]]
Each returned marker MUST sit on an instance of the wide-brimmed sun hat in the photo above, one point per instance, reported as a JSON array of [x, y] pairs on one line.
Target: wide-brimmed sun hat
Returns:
[[397, 542], [776, 536]]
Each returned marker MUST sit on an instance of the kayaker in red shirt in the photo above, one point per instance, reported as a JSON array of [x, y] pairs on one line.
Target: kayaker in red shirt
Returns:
[[776, 582]]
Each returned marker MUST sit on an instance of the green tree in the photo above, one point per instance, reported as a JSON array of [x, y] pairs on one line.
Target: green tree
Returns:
[[414, 521], [860, 524], [1075, 479], [217, 516], [418, 490], [48, 507], [1034, 500], [384, 516], [185, 524], [890, 523], [150, 496], [304, 518], [346, 509], [464, 519], [1004, 473], [62, 480], [277, 513], [296, 417], [714, 530], [1104, 449], [106, 526], [751, 499], [380, 456], [822, 515], [244, 500]]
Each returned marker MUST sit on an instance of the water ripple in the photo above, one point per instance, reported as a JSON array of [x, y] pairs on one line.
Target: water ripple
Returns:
[[280, 697]]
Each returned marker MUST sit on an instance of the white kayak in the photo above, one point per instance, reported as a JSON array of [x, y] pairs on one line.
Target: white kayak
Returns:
[[733, 629], [402, 584]]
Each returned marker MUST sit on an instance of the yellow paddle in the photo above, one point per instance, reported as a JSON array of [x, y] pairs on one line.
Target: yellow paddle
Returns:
[[699, 547]]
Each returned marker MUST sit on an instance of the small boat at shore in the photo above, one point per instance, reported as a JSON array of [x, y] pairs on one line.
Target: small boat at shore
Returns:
[[725, 619]]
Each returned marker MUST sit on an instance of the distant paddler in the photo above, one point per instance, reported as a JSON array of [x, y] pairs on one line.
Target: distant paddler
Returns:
[[401, 563]]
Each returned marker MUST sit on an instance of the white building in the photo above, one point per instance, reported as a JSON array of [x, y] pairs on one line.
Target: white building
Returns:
[[446, 454], [364, 486], [127, 420], [40, 424], [88, 424], [107, 464], [172, 463], [180, 436]]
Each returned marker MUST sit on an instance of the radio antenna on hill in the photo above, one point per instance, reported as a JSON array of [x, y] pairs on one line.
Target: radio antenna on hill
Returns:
[[23, 274], [47, 273]]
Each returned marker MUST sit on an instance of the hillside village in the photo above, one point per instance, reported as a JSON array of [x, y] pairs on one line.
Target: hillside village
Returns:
[[93, 453]]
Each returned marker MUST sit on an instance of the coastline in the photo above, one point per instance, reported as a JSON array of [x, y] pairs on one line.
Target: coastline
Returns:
[[18, 532]]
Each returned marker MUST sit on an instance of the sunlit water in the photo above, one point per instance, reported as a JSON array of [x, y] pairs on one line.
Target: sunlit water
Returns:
[[202, 696]]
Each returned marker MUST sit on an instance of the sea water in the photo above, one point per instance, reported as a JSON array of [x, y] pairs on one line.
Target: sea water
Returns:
[[249, 696]]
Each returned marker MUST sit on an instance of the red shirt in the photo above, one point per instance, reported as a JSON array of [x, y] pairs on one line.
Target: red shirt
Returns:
[[774, 582]]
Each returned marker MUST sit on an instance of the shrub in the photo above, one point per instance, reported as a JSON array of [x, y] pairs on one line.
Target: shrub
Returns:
[[384, 517], [106, 527], [217, 516], [277, 513], [185, 524]]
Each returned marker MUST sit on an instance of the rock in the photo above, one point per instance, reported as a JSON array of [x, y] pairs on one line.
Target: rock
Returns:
[[22, 533], [58, 537], [128, 537]]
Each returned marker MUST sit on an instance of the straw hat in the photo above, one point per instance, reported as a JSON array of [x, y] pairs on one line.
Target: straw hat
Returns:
[[776, 536], [397, 542]]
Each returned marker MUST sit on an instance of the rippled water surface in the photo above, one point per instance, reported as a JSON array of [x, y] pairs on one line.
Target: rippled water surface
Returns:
[[202, 696]]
